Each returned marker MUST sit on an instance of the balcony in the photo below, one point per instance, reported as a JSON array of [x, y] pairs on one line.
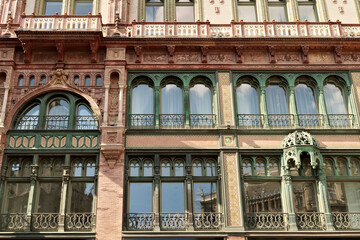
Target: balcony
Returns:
[[308, 121], [346, 221], [267, 221], [17, 222], [174, 221], [310, 221], [61, 22], [191, 30], [171, 121]]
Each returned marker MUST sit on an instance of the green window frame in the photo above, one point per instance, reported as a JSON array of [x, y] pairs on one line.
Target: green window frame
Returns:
[[247, 7]]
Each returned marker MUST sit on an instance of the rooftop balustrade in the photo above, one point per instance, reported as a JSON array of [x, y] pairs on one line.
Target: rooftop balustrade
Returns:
[[182, 29]]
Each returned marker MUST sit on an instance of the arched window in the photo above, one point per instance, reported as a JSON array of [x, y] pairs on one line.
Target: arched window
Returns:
[[142, 106], [248, 105], [247, 167], [179, 168], [165, 167], [148, 167], [210, 168], [43, 79], [32, 81], [30, 118], [87, 81], [277, 104], [76, 80], [355, 167], [329, 167], [342, 167], [58, 114], [85, 119], [306, 106], [197, 167], [172, 104], [134, 168], [274, 167], [260, 167], [98, 80], [200, 104], [20, 80]]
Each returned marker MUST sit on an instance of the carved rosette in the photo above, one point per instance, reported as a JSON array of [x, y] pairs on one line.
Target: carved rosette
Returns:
[[299, 138]]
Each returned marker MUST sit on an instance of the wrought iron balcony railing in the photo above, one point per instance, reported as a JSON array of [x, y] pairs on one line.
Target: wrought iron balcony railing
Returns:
[[21, 222], [280, 120], [173, 221], [172, 120], [27, 122], [57, 122], [140, 221], [267, 221], [45, 221], [202, 120], [346, 220], [14, 222], [142, 120], [86, 122], [311, 120], [79, 221], [310, 221], [341, 120], [207, 220], [251, 120]]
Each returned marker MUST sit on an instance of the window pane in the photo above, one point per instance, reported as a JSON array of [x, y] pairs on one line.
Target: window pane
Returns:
[[87, 81], [98, 81], [142, 100], [165, 168], [82, 194], [148, 168], [200, 100], [277, 13], [172, 197], [210, 169], [355, 167], [179, 168], [20, 81], [49, 197], [305, 197], [247, 13], [171, 100], [246, 167], [17, 195], [276, 100], [32, 81], [263, 197], [59, 107], [43, 79], [85, 118], [90, 169], [77, 169], [334, 100], [307, 12], [274, 168], [205, 199], [247, 99], [344, 197], [140, 198], [328, 167], [134, 168], [305, 100], [260, 168], [83, 8], [30, 119], [197, 168], [185, 14], [154, 13], [53, 7], [342, 168]]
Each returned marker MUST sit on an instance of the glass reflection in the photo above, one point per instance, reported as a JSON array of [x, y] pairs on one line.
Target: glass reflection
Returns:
[[140, 200], [154, 13], [342, 167], [29, 120], [263, 197], [277, 13], [172, 197], [355, 167], [274, 168], [329, 167], [276, 100], [334, 100], [83, 8], [247, 99], [305, 100], [344, 197], [210, 169], [17, 196], [246, 168], [171, 100], [49, 197], [197, 168], [52, 7], [82, 195], [307, 12], [304, 197], [142, 100], [205, 199], [247, 13], [200, 99], [260, 168], [185, 14]]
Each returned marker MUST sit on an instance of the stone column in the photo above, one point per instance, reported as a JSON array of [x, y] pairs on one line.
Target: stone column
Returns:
[[157, 106], [190, 209], [33, 180], [293, 106], [322, 107], [263, 107], [187, 106], [324, 205], [287, 198], [226, 100], [156, 195], [3, 108], [106, 104], [120, 111], [64, 190]]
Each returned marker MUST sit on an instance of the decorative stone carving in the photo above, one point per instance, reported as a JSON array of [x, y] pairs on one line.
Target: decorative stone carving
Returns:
[[157, 58], [59, 77], [338, 53], [138, 51], [239, 53], [187, 57], [272, 51], [112, 156], [204, 53], [221, 58], [60, 47], [94, 46], [305, 52], [288, 57], [171, 51], [299, 138], [27, 48]]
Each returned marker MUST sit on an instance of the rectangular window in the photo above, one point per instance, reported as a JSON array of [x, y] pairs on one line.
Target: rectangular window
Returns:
[[277, 10], [140, 198], [52, 7], [263, 197], [205, 199], [185, 11], [17, 196], [154, 10], [305, 197], [83, 7], [344, 197], [247, 10], [82, 196], [172, 197], [307, 10]]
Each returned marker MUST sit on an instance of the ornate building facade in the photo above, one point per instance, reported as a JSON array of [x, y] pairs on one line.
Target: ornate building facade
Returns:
[[180, 119]]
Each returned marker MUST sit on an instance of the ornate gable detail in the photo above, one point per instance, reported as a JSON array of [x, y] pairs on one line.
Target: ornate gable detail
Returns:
[[59, 77], [299, 138]]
